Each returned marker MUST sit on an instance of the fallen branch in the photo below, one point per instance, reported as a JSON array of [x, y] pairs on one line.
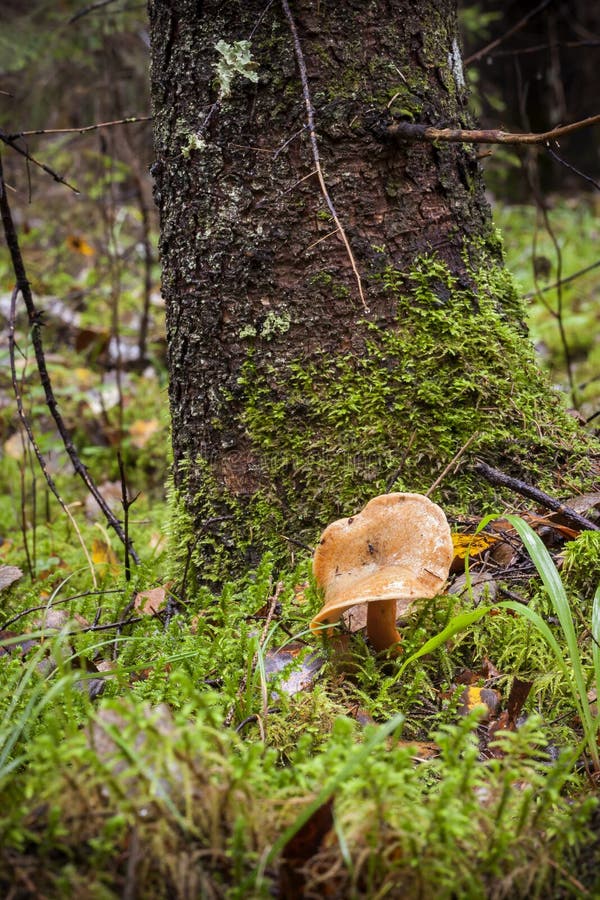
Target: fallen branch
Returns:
[[415, 132], [496, 477]]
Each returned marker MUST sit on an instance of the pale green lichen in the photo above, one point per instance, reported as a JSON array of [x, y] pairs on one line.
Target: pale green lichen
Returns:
[[274, 325], [194, 142], [236, 59]]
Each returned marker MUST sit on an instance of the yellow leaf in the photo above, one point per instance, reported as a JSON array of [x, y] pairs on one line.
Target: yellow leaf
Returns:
[[79, 245], [141, 432], [473, 543], [104, 555]]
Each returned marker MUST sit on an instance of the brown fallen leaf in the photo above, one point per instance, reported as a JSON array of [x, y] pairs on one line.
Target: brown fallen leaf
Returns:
[[150, 602]]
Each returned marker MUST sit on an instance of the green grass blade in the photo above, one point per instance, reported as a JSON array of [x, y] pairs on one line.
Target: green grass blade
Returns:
[[596, 644], [358, 757], [458, 623]]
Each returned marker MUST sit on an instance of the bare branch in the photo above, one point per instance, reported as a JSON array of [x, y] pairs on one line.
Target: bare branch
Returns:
[[26, 425], [496, 477], [551, 287], [413, 132], [130, 120], [10, 142], [24, 288], [89, 9], [516, 27]]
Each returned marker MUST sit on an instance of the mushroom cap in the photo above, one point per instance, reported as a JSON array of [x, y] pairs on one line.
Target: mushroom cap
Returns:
[[397, 548]]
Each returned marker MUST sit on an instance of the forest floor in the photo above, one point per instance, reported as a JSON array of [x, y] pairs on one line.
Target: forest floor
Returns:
[[160, 741]]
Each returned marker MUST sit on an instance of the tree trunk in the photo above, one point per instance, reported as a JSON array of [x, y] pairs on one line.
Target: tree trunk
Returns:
[[300, 388]]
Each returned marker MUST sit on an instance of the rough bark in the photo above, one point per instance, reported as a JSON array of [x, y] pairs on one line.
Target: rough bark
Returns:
[[291, 404]]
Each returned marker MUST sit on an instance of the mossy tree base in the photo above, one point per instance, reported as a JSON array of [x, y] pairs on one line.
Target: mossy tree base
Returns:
[[291, 403]]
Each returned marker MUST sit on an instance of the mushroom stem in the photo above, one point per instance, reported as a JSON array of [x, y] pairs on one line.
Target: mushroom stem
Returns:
[[381, 624]]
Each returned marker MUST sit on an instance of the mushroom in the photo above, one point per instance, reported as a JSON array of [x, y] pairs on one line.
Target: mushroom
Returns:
[[397, 549]]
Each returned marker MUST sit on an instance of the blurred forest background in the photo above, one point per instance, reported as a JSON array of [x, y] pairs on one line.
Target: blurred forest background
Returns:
[[91, 253]]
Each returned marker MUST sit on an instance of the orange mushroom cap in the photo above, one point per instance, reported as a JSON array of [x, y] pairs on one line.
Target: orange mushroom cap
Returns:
[[397, 548]]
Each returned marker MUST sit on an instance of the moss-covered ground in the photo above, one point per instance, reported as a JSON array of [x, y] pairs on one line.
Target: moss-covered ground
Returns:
[[146, 748]]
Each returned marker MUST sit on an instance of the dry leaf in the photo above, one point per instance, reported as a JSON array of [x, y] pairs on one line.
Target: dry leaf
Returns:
[[301, 848], [8, 576], [149, 603], [79, 245], [303, 675], [474, 697], [141, 432], [104, 555], [473, 544]]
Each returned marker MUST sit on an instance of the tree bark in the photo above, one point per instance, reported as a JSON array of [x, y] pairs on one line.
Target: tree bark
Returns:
[[291, 402]]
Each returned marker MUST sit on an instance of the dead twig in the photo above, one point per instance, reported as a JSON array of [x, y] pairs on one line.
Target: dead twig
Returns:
[[310, 116], [89, 9], [54, 603], [418, 132], [503, 37], [563, 281], [452, 463], [35, 321], [38, 453], [130, 120], [498, 478], [572, 168], [10, 142]]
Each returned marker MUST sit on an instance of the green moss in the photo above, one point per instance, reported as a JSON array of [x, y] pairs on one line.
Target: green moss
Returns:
[[334, 431], [328, 434]]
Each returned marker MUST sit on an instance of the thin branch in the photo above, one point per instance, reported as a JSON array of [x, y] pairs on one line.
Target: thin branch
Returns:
[[572, 168], [555, 284], [25, 422], [108, 627], [536, 48], [310, 116], [415, 132], [130, 120], [10, 142], [35, 322], [33, 609], [455, 459], [89, 9], [503, 37], [495, 476]]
